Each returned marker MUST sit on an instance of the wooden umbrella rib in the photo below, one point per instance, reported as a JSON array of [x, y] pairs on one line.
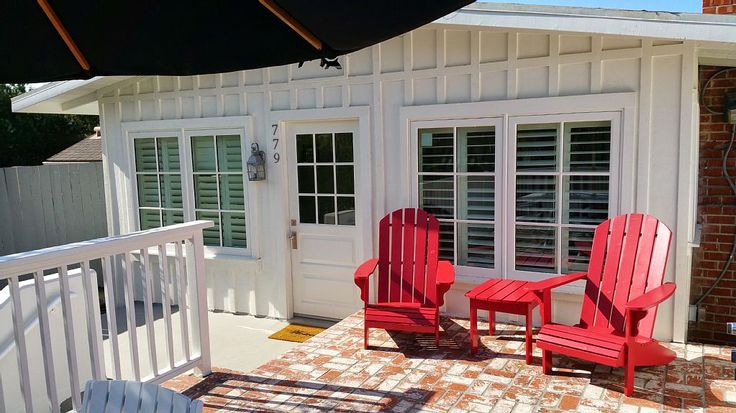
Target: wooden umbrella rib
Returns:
[[49, 12], [285, 17]]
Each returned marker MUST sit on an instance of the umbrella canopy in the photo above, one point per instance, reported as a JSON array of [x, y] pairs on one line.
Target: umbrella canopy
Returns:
[[60, 40]]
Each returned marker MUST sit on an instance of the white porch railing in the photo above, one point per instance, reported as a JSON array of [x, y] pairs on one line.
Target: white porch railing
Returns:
[[159, 268]]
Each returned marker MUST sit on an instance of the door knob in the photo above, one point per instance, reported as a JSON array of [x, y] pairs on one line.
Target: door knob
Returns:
[[293, 239]]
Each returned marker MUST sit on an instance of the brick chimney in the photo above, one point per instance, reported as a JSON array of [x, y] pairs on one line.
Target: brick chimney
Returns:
[[719, 6]]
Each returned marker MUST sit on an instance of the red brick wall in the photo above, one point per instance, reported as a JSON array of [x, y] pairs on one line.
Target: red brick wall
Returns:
[[717, 214], [719, 6]]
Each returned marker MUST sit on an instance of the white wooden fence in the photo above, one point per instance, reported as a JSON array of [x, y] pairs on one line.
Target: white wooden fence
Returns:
[[178, 247], [46, 205]]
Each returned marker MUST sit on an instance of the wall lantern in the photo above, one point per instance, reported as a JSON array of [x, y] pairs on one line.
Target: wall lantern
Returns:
[[256, 164]]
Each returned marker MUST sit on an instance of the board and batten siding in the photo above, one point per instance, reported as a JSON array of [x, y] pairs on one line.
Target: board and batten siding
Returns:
[[48, 205], [434, 65]]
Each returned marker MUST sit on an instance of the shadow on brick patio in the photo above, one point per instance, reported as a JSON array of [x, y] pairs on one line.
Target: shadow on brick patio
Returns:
[[406, 372]]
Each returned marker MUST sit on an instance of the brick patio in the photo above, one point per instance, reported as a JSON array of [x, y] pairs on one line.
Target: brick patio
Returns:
[[406, 373]]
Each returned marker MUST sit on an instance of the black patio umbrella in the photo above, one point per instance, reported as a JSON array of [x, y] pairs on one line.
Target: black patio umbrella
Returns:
[[48, 40]]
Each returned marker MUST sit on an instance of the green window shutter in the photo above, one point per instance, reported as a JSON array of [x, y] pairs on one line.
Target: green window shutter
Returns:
[[149, 218], [205, 192], [233, 230], [168, 154], [171, 191], [145, 155], [158, 182], [219, 188], [232, 194], [203, 154], [211, 235], [229, 155], [148, 195]]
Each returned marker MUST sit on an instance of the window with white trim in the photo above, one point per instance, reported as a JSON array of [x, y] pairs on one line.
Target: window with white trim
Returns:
[[562, 184], [518, 198], [188, 175]]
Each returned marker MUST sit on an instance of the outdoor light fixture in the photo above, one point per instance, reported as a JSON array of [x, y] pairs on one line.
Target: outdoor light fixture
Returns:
[[256, 164]]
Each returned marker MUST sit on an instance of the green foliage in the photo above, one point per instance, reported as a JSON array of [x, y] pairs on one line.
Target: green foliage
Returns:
[[30, 138]]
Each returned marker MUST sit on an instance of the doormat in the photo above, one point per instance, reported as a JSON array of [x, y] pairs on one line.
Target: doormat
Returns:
[[297, 333]]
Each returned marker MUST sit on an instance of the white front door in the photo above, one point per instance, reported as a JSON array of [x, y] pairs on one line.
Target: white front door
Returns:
[[327, 202]]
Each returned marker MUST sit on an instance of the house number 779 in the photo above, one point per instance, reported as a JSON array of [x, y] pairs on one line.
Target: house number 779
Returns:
[[276, 156]]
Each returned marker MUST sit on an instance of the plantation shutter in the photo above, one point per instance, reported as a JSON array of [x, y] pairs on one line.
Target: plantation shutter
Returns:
[[436, 186], [562, 192], [537, 148], [145, 160], [457, 184], [437, 192], [158, 179], [232, 191], [170, 185], [585, 197], [219, 191]]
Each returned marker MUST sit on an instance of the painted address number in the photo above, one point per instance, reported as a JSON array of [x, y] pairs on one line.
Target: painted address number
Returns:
[[276, 156]]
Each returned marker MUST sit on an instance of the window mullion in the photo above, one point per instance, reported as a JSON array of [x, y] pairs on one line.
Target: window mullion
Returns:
[[455, 183], [560, 195], [334, 176]]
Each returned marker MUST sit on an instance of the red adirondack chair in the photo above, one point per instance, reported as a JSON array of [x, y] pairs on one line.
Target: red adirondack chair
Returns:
[[623, 289], [412, 281]]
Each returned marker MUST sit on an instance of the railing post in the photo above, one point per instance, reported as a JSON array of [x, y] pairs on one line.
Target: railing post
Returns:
[[94, 326], [198, 294], [19, 332], [71, 347], [46, 345]]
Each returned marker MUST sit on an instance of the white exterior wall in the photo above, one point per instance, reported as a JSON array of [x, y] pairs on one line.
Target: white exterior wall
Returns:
[[438, 64]]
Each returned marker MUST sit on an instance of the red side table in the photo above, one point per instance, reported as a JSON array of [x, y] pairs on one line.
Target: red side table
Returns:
[[507, 296]]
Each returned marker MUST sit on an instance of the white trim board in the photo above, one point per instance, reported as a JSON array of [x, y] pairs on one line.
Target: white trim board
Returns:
[[662, 25]]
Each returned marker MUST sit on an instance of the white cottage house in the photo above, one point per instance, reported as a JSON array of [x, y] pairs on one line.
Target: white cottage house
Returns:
[[520, 127]]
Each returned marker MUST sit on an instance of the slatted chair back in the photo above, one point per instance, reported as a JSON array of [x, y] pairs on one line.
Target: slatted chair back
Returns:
[[408, 243], [135, 397], [628, 258]]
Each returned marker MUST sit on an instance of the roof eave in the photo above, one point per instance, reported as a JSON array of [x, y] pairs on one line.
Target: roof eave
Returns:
[[77, 97], [662, 25]]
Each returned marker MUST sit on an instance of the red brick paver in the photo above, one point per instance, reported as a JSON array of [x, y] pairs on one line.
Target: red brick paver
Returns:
[[406, 373]]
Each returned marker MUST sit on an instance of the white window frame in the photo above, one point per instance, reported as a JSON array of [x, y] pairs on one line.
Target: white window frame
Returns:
[[622, 194], [613, 184], [497, 123], [183, 130]]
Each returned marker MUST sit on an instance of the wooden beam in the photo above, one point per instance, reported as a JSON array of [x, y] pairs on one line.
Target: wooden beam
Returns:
[[285, 17], [49, 12]]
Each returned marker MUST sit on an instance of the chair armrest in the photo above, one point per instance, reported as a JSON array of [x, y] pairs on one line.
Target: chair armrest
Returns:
[[554, 282], [362, 274], [366, 269], [651, 298], [445, 273], [445, 279]]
